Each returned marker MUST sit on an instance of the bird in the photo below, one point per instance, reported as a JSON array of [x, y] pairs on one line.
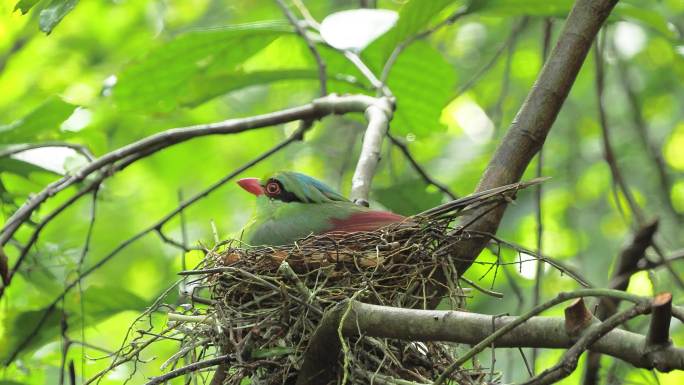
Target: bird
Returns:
[[291, 205]]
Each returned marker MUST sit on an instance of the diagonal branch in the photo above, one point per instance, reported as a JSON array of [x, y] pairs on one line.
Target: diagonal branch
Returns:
[[322, 77], [537, 114]]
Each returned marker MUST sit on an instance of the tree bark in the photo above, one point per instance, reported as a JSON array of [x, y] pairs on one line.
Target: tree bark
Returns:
[[533, 122]]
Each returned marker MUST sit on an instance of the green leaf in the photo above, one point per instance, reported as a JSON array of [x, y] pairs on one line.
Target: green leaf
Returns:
[[21, 168], [105, 301], [19, 327], [407, 198], [161, 81], [522, 7], [423, 83], [415, 16], [100, 302], [41, 123], [644, 14], [204, 88], [25, 5], [53, 13]]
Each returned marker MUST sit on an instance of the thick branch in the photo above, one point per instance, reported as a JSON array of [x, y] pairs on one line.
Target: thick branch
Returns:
[[535, 118], [321, 359]]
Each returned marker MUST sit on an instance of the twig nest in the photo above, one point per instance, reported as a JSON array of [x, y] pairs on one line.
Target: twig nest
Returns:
[[269, 300]]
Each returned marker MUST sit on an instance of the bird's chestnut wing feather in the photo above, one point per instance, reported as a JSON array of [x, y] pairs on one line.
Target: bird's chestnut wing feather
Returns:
[[364, 221]]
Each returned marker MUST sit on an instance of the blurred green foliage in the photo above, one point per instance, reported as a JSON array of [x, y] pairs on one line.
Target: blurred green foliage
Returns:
[[112, 72]]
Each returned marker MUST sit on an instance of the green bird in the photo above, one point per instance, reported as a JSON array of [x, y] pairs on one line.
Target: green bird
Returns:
[[291, 206]]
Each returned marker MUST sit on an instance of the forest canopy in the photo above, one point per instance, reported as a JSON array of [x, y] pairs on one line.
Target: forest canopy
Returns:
[[124, 126]]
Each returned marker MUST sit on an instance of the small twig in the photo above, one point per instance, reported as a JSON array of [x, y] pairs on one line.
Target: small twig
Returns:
[[642, 130], [403, 147], [536, 291], [296, 136], [608, 154], [322, 76], [489, 65], [562, 297], [481, 289], [568, 363], [422, 35], [188, 369], [288, 273], [497, 110], [355, 59]]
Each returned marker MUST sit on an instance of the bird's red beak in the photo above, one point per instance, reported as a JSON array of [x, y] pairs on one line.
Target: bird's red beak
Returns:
[[251, 185]]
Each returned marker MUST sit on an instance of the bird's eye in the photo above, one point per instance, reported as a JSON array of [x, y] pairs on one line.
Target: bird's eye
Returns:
[[272, 188]]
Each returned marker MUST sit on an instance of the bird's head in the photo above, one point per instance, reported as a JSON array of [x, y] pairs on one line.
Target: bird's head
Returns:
[[289, 186]]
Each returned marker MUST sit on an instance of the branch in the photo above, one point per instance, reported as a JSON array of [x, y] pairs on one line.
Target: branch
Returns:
[[536, 116], [108, 164], [321, 357], [319, 108], [568, 363], [157, 225], [642, 130], [378, 115], [195, 366], [403, 147], [312, 47]]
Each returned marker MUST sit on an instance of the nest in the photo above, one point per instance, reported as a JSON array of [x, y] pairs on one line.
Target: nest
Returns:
[[268, 301]]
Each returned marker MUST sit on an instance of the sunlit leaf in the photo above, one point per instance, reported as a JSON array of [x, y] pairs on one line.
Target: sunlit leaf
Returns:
[[416, 15], [651, 18], [25, 5], [54, 12], [21, 168], [160, 81], [356, 29], [423, 82], [41, 123], [203, 88]]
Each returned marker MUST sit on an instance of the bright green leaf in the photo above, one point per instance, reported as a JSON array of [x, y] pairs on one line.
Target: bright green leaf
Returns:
[[25, 5], [19, 327], [415, 16], [41, 123], [53, 14], [99, 303], [651, 18], [423, 83], [19, 167], [160, 81]]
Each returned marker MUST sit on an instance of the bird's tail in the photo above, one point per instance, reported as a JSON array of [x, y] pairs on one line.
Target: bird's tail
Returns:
[[506, 192]]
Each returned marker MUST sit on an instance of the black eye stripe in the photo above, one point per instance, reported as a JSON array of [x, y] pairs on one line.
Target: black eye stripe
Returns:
[[275, 190]]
